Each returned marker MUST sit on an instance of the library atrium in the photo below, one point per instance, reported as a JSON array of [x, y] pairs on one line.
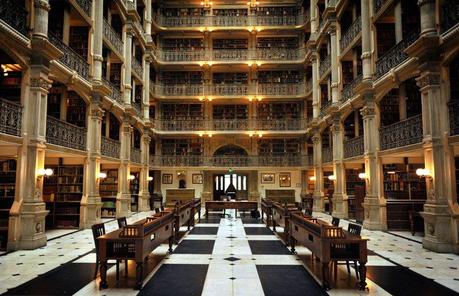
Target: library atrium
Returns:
[[229, 147]]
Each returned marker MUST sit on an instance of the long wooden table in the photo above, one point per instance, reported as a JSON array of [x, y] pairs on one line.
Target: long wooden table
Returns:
[[183, 214], [135, 242], [329, 243], [281, 216], [243, 205]]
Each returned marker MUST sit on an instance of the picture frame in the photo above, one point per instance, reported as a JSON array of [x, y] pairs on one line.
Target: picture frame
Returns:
[[267, 178], [196, 178], [285, 180], [167, 179]]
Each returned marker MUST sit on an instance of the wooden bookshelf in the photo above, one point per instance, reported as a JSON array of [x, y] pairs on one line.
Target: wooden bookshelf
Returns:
[[62, 193], [273, 147], [352, 182], [10, 86], [7, 193], [181, 77], [183, 147], [54, 102], [389, 108], [230, 44], [115, 74], [177, 44], [267, 111], [277, 42], [182, 111], [182, 12], [108, 190], [78, 40], [76, 109], [277, 11], [221, 112], [283, 77], [230, 12], [230, 78]]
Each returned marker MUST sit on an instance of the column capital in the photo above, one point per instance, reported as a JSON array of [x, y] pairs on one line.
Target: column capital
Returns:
[[42, 4], [428, 79], [423, 2], [368, 111]]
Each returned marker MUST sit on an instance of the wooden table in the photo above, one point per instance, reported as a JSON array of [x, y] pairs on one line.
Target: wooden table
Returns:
[[182, 212], [196, 208], [329, 243], [281, 215], [243, 205], [135, 242]]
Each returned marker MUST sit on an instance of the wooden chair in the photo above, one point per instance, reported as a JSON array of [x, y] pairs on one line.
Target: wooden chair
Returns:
[[354, 229], [157, 210], [335, 221], [122, 222], [97, 231]]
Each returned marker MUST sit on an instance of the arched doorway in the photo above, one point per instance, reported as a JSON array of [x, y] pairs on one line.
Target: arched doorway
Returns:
[[230, 184]]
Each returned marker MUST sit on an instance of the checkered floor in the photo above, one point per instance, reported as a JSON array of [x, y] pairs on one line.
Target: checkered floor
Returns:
[[219, 256]]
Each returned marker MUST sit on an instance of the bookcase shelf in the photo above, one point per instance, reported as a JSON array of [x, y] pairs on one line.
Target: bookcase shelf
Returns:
[[181, 77], [273, 147], [277, 42], [134, 190], [178, 44], [182, 147], [267, 111], [182, 111], [62, 193], [283, 77], [231, 78], [108, 189], [230, 44], [7, 193], [221, 112]]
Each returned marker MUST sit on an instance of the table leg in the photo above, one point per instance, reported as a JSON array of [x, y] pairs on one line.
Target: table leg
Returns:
[[207, 213], [363, 276], [199, 214], [292, 245], [189, 223], [103, 275], [235, 213], [177, 228], [171, 241], [139, 275]]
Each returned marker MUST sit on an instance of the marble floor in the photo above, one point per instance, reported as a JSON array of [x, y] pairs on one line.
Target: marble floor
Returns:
[[228, 256]]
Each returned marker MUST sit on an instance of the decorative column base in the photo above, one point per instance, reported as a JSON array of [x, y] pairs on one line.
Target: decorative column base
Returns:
[[319, 204], [144, 202], [441, 229], [32, 226], [375, 213], [90, 211], [340, 206], [123, 205]]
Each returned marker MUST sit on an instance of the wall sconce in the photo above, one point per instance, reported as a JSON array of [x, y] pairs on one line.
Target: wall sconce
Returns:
[[45, 172], [312, 178], [423, 173], [131, 177], [102, 175], [150, 178], [363, 176], [260, 135], [332, 177]]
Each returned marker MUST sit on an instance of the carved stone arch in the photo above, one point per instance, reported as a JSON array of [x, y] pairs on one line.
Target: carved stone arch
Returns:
[[230, 150]]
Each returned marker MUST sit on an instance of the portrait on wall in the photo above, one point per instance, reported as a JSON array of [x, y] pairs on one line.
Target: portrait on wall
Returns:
[[284, 180], [167, 179], [267, 178], [196, 178]]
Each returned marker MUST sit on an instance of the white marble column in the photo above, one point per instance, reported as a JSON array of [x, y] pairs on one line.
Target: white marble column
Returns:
[[335, 95], [146, 89], [340, 199], [315, 85], [318, 194], [97, 40], [127, 65], [144, 193], [91, 203], [123, 198], [366, 40]]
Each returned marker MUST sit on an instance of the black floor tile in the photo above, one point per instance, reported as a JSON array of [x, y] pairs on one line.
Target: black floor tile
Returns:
[[398, 280], [195, 247], [176, 279], [285, 280], [210, 220], [258, 231], [64, 280], [249, 220], [268, 248], [204, 230]]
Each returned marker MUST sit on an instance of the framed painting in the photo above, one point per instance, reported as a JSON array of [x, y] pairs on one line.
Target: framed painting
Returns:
[[285, 180], [167, 179], [267, 178]]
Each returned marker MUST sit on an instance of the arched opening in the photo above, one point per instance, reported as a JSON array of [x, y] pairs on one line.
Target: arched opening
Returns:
[[230, 150]]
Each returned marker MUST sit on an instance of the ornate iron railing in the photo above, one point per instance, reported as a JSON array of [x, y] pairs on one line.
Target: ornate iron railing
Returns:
[[113, 37], [378, 4], [281, 89], [65, 134], [353, 147], [15, 15], [327, 154], [110, 147], [280, 54], [280, 125], [179, 90], [138, 107], [181, 55], [229, 124], [402, 133], [85, 5], [115, 91], [230, 89], [180, 125], [324, 107], [348, 90], [454, 117], [137, 67], [394, 56], [324, 65], [230, 55], [354, 29], [70, 57], [231, 21], [231, 161], [10, 118], [135, 155], [450, 15]]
